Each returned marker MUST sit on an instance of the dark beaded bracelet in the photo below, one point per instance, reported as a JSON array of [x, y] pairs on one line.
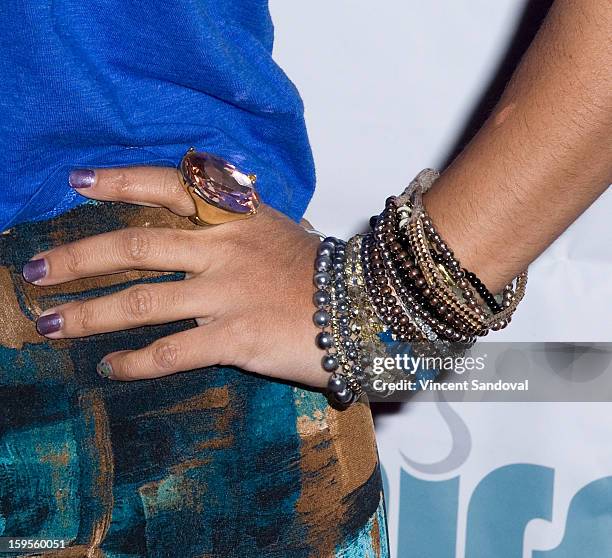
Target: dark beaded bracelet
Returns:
[[445, 273], [412, 286], [484, 293], [342, 358], [400, 281]]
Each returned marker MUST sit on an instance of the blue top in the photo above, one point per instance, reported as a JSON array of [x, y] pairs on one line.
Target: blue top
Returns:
[[116, 83]]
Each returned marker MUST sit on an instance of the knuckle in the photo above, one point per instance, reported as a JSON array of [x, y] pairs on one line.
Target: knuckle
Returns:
[[83, 315], [74, 259], [119, 183], [136, 244], [140, 302], [165, 354], [171, 186], [177, 298]]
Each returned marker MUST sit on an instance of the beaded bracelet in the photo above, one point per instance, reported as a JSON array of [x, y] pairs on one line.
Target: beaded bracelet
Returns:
[[343, 358], [399, 282], [512, 294]]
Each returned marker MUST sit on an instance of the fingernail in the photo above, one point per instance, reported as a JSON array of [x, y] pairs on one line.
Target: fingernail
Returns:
[[49, 324], [34, 270], [104, 369], [82, 178]]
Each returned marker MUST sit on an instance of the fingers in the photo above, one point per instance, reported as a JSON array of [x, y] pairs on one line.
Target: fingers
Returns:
[[150, 186], [143, 304], [194, 348], [132, 248]]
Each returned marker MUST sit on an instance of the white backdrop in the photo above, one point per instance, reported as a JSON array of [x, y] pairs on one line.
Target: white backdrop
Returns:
[[387, 87]]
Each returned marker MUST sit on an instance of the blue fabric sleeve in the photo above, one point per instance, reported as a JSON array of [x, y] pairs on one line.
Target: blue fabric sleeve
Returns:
[[115, 83]]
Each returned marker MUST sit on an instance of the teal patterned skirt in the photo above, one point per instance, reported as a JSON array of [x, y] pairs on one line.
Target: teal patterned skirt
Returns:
[[211, 463]]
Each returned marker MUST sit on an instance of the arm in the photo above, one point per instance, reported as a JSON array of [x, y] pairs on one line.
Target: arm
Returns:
[[541, 159], [543, 156]]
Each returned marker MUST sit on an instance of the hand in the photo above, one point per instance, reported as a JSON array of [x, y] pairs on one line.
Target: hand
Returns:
[[248, 286]]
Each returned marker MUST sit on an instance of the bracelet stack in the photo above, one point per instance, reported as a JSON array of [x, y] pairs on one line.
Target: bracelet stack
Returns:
[[398, 283], [339, 337]]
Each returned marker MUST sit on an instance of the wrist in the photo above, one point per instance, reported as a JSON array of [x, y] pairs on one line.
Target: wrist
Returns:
[[467, 225]]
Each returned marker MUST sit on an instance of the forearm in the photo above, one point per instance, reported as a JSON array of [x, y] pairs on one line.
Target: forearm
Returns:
[[543, 156]]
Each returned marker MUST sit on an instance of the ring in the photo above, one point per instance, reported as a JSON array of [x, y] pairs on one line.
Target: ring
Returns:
[[221, 193]]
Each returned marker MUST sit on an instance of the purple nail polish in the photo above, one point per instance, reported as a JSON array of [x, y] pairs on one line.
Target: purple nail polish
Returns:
[[82, 178], [34, 270], [49, 324]]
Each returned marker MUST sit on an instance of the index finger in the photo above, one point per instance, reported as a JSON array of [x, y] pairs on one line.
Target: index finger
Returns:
[[143, 248], [150, 186]]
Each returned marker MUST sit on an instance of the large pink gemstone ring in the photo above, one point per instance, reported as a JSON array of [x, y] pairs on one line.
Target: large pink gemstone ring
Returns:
[[220, 191]]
